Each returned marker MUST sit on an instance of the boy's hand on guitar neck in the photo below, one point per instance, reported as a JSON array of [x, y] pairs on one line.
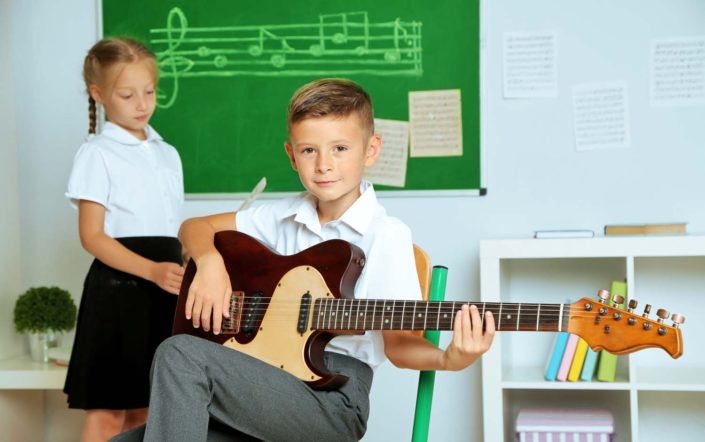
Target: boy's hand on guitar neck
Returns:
[[469, 341], [209, 293]]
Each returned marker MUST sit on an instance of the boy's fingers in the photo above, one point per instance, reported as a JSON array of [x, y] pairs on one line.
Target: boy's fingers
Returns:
[[188, 308], [196, 312], [217, 316], [476, 323], [226, 302], [206, 315]]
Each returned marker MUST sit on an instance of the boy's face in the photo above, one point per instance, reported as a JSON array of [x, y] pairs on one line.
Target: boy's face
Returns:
[[129, 99], [330, 154]]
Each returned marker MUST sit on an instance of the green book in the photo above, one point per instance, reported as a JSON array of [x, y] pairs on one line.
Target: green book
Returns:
[[607, 363]]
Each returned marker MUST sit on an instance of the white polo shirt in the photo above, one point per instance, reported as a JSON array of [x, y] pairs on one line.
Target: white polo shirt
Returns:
[[291, 225], [140, 183]]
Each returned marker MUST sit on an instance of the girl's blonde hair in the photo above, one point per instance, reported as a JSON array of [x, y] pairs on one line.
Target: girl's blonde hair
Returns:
[[106, 54]]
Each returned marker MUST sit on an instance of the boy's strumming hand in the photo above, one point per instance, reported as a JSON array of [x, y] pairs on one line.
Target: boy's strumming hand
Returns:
[[209, 293], [469, 342], [168, 276]]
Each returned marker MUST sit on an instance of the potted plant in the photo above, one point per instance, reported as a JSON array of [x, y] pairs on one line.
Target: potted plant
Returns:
[[41, 312]]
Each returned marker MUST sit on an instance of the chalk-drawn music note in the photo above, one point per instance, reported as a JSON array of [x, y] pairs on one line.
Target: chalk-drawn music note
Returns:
[[338, 44]]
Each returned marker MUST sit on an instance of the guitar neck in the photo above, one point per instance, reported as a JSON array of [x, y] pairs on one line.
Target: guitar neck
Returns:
[[379, 314]]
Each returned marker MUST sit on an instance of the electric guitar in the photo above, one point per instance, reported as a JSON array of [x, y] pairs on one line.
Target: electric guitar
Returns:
[[285, 309]]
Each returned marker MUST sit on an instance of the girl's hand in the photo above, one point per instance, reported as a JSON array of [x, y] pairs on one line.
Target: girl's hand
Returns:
[[168, 276], [209, 293], [469, 342]]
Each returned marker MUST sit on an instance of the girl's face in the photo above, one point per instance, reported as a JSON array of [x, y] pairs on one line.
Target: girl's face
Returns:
[[130, 100]]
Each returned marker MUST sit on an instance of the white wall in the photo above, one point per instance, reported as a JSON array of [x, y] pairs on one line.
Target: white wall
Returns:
[[9, 192], [534, 176]]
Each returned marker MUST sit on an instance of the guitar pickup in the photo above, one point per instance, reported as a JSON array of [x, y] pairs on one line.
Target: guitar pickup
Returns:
[[304, 309], [232, 325]]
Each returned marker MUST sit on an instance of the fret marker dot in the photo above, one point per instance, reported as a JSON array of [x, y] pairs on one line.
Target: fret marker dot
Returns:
[[362, 314], [419, 315], [386, 321], [388, 308], [333, 313], [509, 316], [445, 315]]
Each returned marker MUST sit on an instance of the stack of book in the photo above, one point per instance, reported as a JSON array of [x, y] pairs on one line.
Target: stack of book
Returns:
[[572, 359], [561, 424]]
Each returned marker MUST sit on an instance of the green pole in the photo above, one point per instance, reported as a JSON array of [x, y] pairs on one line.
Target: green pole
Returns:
[[424, 396]]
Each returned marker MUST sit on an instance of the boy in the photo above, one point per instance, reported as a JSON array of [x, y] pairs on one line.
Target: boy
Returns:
[[331, 141]]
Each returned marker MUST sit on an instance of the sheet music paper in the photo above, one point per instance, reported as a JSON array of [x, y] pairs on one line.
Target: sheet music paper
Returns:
[[436, 128], [678, 71], [390, 168], [530, 65], [601, 116]]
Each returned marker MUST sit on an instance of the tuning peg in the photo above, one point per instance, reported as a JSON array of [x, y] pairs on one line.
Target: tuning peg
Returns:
[[662, 314], [617, 300], [677, 319], [632, 305], [647, 310], [603, 295]]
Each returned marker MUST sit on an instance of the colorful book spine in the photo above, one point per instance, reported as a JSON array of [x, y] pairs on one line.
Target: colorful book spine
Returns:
[[577, 365], [607, 366], [589, 365], [554, 361], [567, 358]]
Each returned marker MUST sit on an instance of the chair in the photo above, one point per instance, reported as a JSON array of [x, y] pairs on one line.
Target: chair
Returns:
[[433, 286]]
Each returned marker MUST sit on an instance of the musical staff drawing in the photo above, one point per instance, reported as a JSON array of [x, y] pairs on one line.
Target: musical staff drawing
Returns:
[[339, 44]]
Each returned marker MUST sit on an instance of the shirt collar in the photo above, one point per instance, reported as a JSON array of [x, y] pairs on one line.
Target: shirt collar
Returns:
[[117, 133], [358, 216]]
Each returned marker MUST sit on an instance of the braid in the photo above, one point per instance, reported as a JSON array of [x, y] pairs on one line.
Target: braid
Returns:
[[91, 115]]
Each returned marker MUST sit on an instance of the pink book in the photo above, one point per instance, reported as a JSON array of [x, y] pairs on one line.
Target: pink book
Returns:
[[567, 357]]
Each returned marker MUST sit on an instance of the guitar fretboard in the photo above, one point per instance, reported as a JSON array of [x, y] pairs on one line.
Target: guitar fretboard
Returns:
[[378, 314]]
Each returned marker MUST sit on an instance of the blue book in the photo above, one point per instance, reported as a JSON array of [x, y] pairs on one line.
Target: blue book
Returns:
[[589, 365], [554, 362]]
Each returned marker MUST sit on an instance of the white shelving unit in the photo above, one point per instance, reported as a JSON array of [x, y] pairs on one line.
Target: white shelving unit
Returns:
[[654, 397], [21, 373]]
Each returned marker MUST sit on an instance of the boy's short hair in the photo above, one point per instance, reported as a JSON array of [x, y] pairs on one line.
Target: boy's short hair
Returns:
[[335, 97]]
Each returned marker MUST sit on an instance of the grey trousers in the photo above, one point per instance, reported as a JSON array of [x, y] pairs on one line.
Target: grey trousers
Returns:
[[202, 391]]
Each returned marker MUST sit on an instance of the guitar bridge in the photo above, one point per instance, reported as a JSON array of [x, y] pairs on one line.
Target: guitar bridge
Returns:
[[232, 325]]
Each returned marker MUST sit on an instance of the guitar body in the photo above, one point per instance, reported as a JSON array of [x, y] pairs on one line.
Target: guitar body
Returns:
[[270, 288]]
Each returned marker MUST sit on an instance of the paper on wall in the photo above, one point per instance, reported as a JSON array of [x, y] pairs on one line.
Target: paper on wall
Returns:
[[678, 71], [435, 123], [529, 62], [601, 116], [390, 168]]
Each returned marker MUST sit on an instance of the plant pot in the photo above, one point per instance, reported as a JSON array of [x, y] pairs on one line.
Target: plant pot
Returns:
[[39, 345]]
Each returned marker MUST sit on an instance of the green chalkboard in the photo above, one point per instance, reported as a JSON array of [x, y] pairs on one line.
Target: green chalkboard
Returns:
[[228, 70]]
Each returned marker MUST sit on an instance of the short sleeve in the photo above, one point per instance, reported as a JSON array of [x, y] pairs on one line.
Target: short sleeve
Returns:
[[259, 222], [89, 179], [391, 259]]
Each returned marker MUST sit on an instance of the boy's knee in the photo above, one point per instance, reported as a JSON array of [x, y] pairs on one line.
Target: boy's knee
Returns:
[[175, 347]]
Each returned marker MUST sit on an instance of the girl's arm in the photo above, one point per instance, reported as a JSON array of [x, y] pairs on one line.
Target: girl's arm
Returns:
[[209, 293], [408, 350], [91, 217]]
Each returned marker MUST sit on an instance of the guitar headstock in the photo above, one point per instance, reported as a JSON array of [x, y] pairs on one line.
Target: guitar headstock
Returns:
[[605, 326]]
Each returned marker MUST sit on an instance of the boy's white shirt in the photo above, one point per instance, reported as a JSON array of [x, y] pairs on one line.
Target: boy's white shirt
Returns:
[[291, 225], [140, 183]]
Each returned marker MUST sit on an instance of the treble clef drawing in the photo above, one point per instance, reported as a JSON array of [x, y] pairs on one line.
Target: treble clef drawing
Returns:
[[337, 44]]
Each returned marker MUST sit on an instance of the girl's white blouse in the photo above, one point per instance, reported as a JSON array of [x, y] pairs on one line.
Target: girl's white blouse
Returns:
[[140, 183]]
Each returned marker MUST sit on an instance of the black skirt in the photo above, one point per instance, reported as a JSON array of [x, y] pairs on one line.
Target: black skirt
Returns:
[[121, 321]]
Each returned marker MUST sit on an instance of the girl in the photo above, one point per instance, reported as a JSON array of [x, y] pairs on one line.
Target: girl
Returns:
[[127, 184]]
